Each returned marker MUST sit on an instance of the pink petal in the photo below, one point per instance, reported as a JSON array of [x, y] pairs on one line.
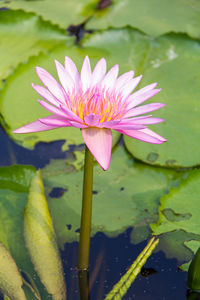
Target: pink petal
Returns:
[[92, 120], [51, 84], [86, 74], [143, 135], [77, 124], [52, 109], [55, 121], [110, 78], [34, 127], [127, 126], [130, 86], [153, 134], [143, 109], [138, 99], [136, 118], [123, 79], [146, 89], [72, 70], [46, 95], [99, 142], [70, 115], [148, 121], [99, 71], [142, 120], [64, 77], [108, 124]]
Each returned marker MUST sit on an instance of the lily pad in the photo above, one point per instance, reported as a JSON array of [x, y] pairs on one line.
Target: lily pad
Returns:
[[126, 195], [182, 201], [153, 17], [174, 62], [63, 13], [23, 35]]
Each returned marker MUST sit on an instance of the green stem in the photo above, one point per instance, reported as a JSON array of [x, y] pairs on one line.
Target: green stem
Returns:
[[120, 289], [86, 215]]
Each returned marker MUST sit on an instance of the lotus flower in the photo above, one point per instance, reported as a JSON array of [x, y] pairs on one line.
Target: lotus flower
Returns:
[[96, 102]]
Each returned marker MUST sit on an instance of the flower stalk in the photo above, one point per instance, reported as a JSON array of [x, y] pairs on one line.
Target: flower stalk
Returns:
[[86, 215]]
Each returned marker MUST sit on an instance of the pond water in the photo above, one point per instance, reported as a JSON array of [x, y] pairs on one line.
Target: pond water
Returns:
[[110, 257]]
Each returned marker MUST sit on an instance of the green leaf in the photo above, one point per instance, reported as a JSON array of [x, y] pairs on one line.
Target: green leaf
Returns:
[[153, 17], [126, 195], [10, 278], [23, 35], [193, 246], [63, 13], [41, 240], [12, 204], [194, 273], [16, 178], [182, 202], [173, 61]]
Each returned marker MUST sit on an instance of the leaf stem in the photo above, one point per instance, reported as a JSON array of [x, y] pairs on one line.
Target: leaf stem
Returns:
[[86, 215], [120, 289]]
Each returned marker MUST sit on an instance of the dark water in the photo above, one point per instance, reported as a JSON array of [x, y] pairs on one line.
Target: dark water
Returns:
[[110, 257]]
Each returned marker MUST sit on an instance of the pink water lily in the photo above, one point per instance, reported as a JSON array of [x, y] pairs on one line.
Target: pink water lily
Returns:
[[96, 102]]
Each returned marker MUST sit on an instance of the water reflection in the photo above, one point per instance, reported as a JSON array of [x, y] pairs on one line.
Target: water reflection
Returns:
[[83, 279]]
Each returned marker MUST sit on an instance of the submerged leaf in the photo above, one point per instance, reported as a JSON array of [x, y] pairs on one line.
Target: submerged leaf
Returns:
[[10, 278], [41, 241]]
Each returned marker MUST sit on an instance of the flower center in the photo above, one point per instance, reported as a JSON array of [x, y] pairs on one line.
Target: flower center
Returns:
[[107, 105]]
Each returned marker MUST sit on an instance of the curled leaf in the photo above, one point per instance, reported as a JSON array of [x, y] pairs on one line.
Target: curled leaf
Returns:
[[41, 240], [194, 272], [10, 278]]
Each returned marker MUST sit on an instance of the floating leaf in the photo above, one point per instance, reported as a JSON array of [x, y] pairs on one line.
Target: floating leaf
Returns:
[[41, 241], [58, 12], [152, 17], [183, 201], [126, 195], [174, 62], [23, 35], [10, 278]]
